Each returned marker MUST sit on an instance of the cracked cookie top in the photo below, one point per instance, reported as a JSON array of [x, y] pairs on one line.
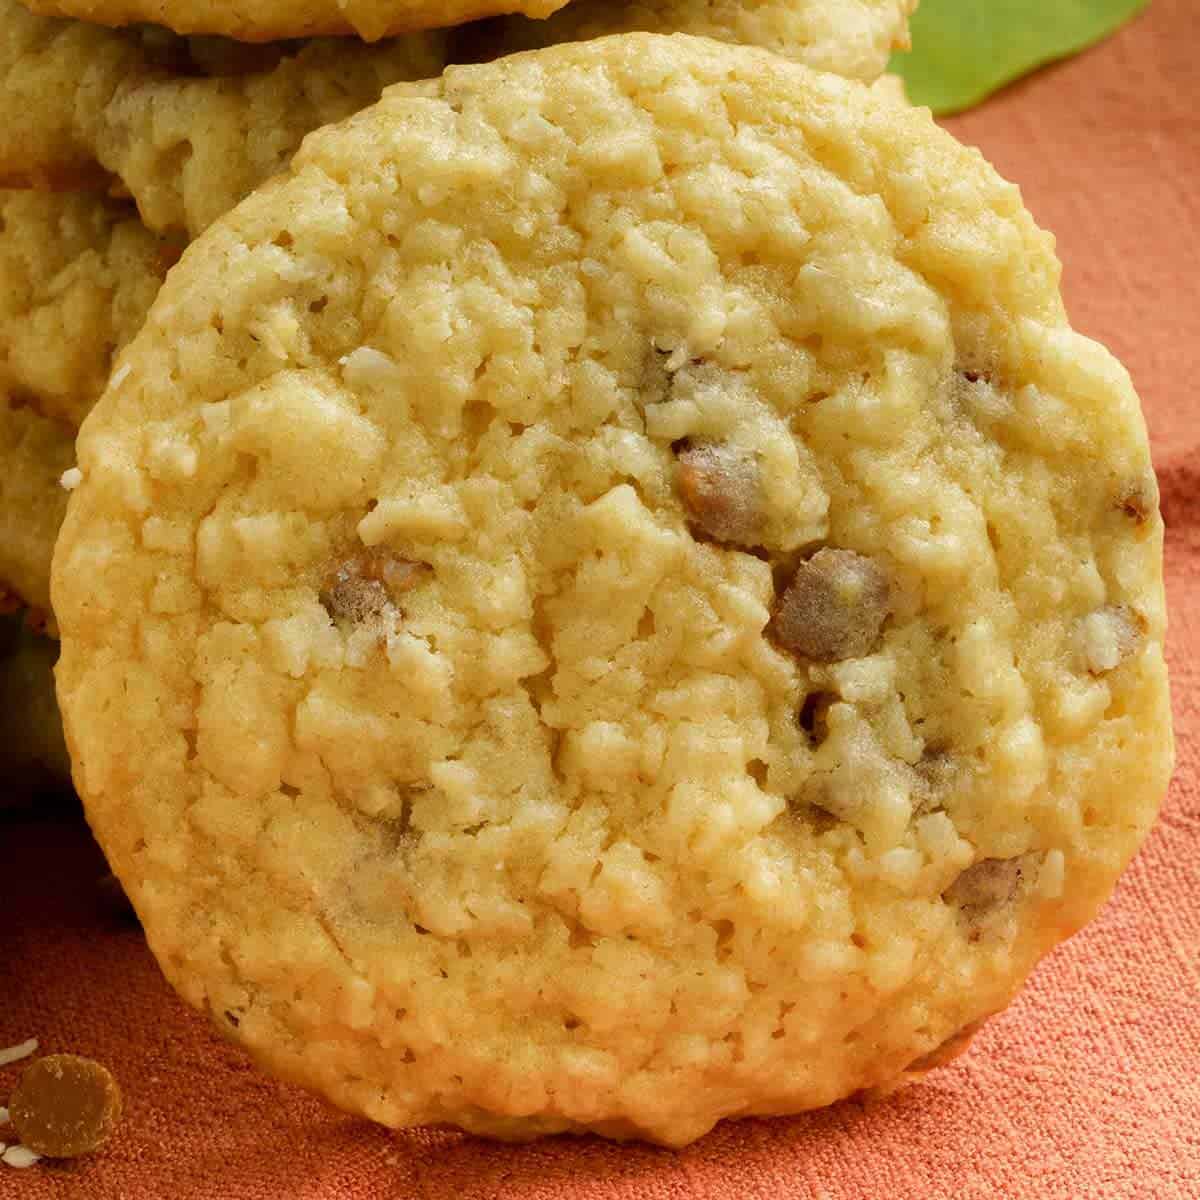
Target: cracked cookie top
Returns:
[[611, 596]]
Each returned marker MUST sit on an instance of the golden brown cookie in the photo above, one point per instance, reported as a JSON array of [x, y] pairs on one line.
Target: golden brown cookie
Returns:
[[187, 126], [79, 274], [607, 598]]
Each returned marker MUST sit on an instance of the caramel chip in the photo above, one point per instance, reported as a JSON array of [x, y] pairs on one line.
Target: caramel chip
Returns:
[[721, 491], [986, 884], [985, 894], [366, 587], [834, 607], [64, 1106]]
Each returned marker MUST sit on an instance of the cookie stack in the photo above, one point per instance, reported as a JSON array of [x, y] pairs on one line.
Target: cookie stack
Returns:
[[604, 595]]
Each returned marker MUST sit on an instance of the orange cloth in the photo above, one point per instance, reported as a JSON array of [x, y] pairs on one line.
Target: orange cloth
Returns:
[[1089, 1086]]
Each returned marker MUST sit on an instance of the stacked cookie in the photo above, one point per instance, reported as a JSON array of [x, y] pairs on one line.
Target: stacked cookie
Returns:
[[605, 593], [121, 144]]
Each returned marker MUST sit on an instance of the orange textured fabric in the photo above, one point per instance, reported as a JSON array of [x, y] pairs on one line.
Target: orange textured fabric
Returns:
[[1089, 1086]]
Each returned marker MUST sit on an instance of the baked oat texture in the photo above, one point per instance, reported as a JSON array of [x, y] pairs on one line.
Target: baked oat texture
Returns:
[[187, 126], [79, 275], [433, 657], [854, 38], [34, 452], [271, 20]]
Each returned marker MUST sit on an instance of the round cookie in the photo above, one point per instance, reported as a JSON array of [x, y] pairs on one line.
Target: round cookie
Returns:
[[854, 38], [187, 126], [611, 597], [34, 452], [80, 273], [272, 20], [33, 756]]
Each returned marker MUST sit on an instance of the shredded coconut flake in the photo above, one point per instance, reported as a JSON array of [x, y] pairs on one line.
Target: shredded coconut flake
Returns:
[[19, 1156], [71, 479], [3, 1116], [12, 1054], [119, 375]]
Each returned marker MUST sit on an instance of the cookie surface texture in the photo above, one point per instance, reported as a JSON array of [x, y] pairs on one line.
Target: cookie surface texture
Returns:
[[454, 604], [271, 20], [188, 126], [854, 38], [80, 273]]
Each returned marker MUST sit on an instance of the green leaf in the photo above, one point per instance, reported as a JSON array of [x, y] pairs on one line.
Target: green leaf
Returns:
[[964, 50]]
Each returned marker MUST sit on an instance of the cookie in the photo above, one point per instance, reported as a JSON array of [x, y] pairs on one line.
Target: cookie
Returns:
[[34, 452], [33, 756], [80, 273], [611, 596], [187, 126], [272, 20], [854, 38]]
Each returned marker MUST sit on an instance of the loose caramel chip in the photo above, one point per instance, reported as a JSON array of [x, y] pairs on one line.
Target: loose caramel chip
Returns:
[[65, 1106], [721, 490], [834, 607]]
